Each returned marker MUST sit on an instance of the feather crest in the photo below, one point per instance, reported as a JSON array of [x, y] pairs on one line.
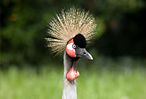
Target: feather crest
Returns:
[[68, 24]]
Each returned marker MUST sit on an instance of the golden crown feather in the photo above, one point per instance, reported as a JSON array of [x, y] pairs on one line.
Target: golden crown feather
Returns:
[[66, 25]]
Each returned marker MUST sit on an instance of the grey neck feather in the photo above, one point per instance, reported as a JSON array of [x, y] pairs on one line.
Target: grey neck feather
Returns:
[[69, 90]]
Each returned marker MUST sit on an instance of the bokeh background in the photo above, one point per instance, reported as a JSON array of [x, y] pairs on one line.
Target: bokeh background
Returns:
[[29, 70]]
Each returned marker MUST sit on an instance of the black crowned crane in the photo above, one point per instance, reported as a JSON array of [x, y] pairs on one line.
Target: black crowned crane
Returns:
[[69, 32]]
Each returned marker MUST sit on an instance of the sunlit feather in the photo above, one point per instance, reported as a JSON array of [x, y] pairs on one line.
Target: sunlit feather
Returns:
[[66, 25]]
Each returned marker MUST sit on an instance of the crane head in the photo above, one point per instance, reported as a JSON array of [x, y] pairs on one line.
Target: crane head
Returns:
[[76, 48]]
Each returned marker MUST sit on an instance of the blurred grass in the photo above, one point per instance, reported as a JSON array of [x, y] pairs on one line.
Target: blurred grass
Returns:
[[94, 82]]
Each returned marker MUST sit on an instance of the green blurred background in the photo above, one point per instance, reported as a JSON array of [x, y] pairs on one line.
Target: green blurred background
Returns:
[[29, 70]]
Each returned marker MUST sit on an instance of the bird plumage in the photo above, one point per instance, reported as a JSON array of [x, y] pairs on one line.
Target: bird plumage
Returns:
[[66, 25], [69, 32]]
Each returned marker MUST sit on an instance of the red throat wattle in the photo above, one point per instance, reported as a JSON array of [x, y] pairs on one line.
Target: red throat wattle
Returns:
[[72, 74]]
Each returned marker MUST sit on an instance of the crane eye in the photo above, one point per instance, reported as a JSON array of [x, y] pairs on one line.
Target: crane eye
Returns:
[[73, 46]]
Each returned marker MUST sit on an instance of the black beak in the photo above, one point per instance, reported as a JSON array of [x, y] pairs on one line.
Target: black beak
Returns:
[[82, 52]]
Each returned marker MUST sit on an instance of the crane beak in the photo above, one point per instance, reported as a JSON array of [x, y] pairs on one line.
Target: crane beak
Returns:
[[87, 55], [82, 52]]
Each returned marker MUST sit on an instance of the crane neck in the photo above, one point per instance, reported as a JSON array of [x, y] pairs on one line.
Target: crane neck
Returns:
[[69, 90]]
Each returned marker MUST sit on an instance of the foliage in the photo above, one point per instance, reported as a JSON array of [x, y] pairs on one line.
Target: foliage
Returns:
[[95, 82], [23, 27]]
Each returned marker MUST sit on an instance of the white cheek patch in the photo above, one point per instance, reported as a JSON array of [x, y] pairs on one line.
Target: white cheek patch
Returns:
[[69, 46], [70, 50]]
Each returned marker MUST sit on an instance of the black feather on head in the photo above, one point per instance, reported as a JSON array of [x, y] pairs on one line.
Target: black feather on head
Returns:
[[80, 41]]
